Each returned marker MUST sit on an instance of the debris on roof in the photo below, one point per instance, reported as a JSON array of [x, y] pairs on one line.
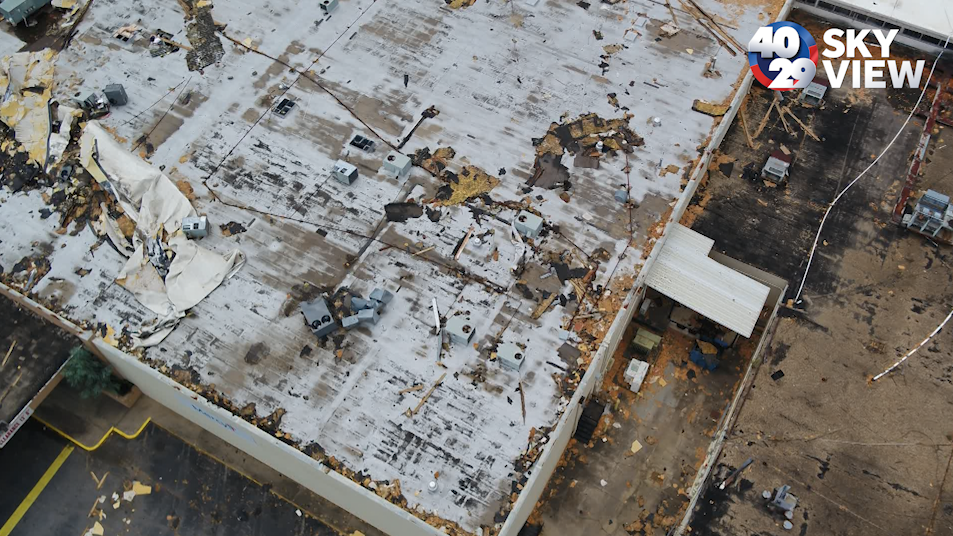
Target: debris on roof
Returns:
[[710, 108], [176, 274], [27, 82], [457, 4], [471, 182], [201, 31], [433, 163], [589, 134]]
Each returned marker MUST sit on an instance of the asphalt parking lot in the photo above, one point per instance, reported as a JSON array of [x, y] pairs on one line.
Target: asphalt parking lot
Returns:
[[50, 487]]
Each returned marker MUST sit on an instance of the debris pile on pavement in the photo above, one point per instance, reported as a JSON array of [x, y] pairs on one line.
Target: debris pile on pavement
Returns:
[[130, 491]]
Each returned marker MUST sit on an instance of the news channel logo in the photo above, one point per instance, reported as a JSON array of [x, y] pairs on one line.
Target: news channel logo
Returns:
[[783, 56]]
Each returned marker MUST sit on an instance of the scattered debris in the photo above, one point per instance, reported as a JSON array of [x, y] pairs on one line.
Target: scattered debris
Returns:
[[99, 481], [202, 34], [417, 387], [411, 413], [429, 113], [401, 212], [26, 105], [471, 182], [715, 27], [7, 356], [735, 474], [636, 447], [588, 134], [744, 124], [161, 44], [463, 244], [126, 33], [434, 163], [709, 108], [232, 228], [668, 30]]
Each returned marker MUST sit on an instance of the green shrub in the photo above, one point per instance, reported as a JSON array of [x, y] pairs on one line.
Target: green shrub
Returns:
[[88, 375]]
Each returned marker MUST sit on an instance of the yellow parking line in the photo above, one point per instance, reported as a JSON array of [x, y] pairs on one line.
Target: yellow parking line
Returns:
[[35, 492], [101, 440]]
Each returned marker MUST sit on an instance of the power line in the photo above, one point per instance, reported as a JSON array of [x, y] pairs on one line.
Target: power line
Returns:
[[817, 237]]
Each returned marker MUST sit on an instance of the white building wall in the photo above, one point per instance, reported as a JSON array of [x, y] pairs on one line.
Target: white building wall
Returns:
[[850, 16]]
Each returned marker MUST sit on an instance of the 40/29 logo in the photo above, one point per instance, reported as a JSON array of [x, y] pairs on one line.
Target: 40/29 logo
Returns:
[[783, 56]]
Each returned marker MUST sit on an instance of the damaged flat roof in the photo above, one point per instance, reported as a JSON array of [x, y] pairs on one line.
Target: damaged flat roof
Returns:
[[924, 15], [510, 82]]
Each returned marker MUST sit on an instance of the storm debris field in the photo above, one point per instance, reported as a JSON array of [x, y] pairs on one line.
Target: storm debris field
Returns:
[[497, 222], [860, 457]]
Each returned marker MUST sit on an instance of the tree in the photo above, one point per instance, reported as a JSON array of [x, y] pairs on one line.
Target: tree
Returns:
[[88, 375]]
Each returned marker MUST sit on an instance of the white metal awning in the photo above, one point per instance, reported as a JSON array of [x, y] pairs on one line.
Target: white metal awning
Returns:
[[684, 272]]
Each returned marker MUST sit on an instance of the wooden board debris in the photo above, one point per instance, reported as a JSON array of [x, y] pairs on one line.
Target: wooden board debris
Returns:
[[717, 26], [803, 126], [463, 244], [672, 12], [99, 481], [10, 351], [764, 120], [744, 123], [417, 387], [710, 108], [543, 306], [523, 401], [411, 413]]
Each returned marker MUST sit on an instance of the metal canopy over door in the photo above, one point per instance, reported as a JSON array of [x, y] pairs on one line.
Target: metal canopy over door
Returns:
[[684, 272]]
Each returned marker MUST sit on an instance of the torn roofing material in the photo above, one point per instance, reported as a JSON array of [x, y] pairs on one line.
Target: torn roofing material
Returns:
[[27, 83], [168, 273], [307, 235]]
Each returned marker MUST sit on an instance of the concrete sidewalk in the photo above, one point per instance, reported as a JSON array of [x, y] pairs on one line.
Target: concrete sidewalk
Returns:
[[87, 421]]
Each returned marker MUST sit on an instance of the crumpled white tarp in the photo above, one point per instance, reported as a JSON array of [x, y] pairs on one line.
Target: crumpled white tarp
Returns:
[[26, 80], [156, 205]]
